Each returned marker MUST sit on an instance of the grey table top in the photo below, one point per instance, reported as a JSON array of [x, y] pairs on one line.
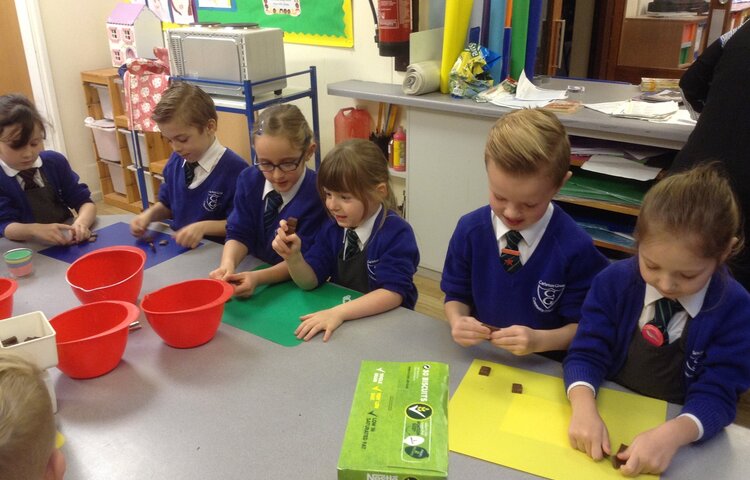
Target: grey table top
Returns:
[[585, 122], [242, 407]]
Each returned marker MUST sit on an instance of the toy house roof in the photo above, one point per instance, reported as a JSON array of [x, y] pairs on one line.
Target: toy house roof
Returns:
[[127, 13]]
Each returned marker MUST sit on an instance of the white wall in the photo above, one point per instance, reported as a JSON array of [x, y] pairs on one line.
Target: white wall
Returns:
[[76, 41]]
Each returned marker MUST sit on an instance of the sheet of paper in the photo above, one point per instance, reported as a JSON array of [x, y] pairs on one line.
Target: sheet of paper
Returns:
[[119, 234], [529, 431], [274, 311], [606, 107], [619, 166], [525, 90]]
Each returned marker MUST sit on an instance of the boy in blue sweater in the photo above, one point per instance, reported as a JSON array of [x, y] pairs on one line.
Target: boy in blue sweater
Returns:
[[517, 270], [200, 176], [670, 323]]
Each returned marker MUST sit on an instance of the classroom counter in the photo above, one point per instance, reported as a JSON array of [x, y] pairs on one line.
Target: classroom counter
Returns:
[[242, 407], [445, 140]]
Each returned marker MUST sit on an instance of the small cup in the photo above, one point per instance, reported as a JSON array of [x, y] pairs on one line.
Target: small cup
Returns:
[[19, 261]]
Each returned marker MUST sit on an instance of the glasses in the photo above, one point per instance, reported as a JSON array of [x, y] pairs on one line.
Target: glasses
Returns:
[[286, 167]]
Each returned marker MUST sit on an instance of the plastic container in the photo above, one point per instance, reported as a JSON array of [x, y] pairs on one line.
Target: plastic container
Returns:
[[117, 176], [41, 350], [149, 183], [105, 100], [92, 338], [19, 261], [111, 273], [7, 289], [399, 150], [105, 137], [142, 146], [351, 123], [187, 314]]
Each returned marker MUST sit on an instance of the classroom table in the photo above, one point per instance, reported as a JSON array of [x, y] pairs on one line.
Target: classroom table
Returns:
[[242, 407]]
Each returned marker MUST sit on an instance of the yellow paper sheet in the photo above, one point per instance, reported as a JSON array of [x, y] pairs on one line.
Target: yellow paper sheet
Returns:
[[529, 431]]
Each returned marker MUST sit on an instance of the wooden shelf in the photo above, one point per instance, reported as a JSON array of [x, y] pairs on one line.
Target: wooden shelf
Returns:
[[158, 167], [600, 205], [614, 246], [121, 201]]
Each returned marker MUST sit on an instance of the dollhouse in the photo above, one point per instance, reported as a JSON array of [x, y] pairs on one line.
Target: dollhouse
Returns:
[[133, 31]]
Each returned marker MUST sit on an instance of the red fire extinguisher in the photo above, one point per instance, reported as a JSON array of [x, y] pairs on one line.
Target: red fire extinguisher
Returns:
[[394, 26]]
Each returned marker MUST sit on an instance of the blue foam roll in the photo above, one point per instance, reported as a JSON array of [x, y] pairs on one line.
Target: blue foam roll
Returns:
[[506, 52], [495, 42], [532, 37]]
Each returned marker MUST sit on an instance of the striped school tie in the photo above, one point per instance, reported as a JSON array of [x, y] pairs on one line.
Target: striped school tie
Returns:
[[352, 244], [510, 256], [28, 178], [189, 169], [273, 202]]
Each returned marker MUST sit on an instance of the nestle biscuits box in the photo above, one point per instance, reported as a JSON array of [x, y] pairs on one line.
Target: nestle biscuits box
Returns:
[[398, 424]]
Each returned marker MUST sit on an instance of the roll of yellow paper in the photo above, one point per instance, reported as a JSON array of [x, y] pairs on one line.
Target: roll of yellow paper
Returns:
[[457, 14]]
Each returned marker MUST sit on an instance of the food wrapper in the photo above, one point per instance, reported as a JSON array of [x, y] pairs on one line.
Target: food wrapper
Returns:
[[470, 73]]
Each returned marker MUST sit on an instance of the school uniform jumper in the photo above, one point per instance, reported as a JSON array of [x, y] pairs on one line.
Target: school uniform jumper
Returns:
[[57, 174], [245, 224], [716, 366], [546, 293], [391, 253], [213, 199]]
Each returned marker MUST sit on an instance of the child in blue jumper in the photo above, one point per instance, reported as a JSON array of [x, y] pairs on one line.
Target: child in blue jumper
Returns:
[[365, 246], [200, 176], [38, 188], [280, 186], [517, 270], [670, 323]]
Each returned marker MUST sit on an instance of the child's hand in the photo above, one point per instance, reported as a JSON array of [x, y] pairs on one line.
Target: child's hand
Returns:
[[138, 225], [53, 233], [467, 331], [517, 339], [587, 431], [190, 236], [286, 245], [221, 273], [651, 451], [313, 323], [244, 283], [81, 233]]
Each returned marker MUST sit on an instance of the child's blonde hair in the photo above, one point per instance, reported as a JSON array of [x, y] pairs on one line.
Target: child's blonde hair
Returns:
[[697, 204], [529, 142], [187, 104], [357, 167], [285, 121], [27, 424]]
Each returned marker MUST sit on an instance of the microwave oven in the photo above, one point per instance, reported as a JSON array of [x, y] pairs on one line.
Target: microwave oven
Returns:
[[228, 53]]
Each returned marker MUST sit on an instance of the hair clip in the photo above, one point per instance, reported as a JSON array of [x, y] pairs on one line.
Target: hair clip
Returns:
[[259, 128]]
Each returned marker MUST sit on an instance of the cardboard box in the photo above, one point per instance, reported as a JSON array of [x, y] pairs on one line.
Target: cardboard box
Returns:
[[398, 424]]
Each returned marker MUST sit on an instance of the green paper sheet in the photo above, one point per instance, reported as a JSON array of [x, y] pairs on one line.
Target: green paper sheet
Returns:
[[596, 186], [519, 31], [273, 311]]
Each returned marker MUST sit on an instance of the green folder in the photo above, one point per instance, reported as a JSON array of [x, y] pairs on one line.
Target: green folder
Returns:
[[594, 186], [273, 311]]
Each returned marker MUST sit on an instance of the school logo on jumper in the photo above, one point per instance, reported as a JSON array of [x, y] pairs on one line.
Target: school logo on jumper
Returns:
[[547, 295], [212, 201], [371, 267], [693, 363]]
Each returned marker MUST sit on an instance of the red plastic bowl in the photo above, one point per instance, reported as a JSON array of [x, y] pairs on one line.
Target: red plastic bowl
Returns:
[[111, 273], [8, 287], [91, 338], [187, 314]]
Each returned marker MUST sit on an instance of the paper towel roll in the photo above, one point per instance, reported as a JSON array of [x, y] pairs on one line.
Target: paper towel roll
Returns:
[[422, 77]]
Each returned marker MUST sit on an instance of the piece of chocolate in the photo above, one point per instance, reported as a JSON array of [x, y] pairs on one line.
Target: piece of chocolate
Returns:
[[517, 388], [29, 338], [10, 341], [616, 462], [153, 247], [491, 327], [484, 370], [92, 238], [291, 225], [164, 242]]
